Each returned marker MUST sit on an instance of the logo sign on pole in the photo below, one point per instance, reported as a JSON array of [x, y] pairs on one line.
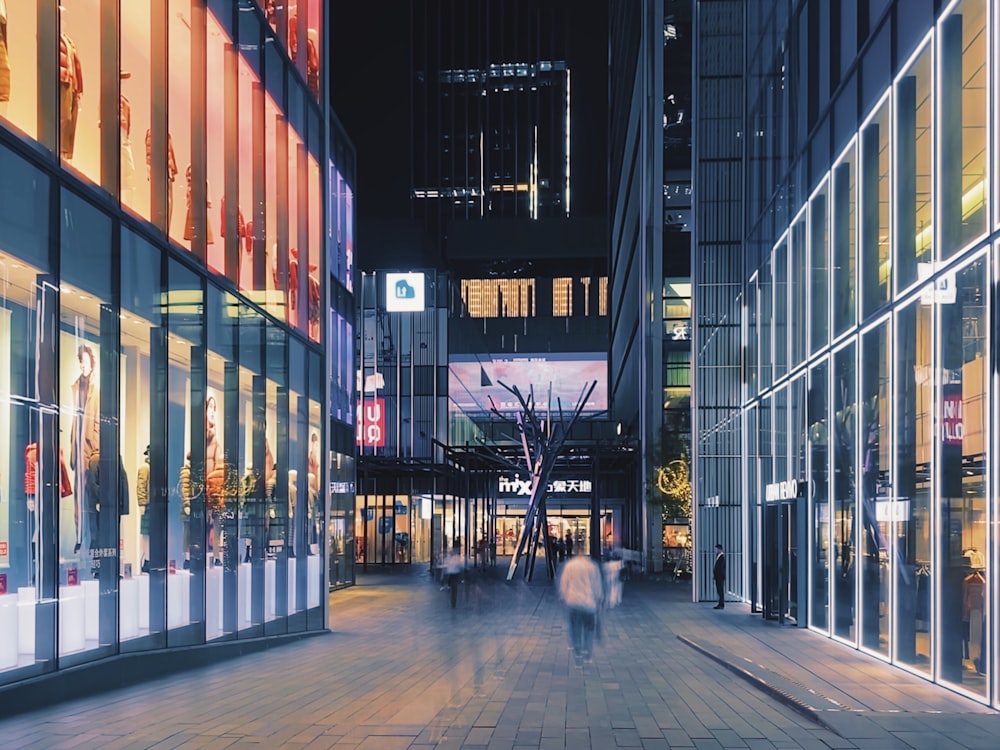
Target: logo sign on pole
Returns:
[[404, 292], [371, 423]]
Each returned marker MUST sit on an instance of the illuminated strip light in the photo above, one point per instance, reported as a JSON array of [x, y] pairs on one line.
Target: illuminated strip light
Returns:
[[567, 141], [520, 187], [533, 179], [972, 199]]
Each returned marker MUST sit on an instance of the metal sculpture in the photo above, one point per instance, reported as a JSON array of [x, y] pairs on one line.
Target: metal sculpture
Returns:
[[542, 440]]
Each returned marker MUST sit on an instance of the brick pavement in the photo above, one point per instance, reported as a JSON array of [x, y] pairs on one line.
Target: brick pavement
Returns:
[[400, 669]]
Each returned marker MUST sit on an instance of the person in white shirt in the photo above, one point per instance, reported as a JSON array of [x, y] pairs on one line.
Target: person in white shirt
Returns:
[[581, 588]]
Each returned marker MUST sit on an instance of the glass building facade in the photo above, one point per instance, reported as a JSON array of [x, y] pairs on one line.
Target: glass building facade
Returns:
[[845, 302], [173, 427]]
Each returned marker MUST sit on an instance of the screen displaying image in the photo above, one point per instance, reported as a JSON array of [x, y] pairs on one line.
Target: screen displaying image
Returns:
[[473, 380]]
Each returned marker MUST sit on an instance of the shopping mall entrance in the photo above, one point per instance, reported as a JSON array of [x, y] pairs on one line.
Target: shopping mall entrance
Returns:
[[781, 534]]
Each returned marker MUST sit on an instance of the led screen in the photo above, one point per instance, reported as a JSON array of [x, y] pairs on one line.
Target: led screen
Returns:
[[473, 380]]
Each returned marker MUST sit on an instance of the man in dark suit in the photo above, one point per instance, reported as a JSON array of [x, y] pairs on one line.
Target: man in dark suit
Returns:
[[719, 574]]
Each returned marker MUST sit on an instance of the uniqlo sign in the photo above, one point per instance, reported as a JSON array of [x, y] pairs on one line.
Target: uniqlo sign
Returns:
[[371, 423]]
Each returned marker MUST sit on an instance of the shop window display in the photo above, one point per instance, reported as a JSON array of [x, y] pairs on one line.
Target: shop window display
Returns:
[[219, 49], [19, 65], [248, 90], [314, 313], [135, 106], [179, 225], [80, 86]]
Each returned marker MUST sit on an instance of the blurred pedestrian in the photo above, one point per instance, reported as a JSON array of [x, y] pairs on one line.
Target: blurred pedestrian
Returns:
[[719, 573], [613, 578], [568, 544], [453, 565], [581, 588]]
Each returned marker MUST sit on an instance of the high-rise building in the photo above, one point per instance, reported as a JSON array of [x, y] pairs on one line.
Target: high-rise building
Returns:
[[650, 251], [175, 225], [846, 222]]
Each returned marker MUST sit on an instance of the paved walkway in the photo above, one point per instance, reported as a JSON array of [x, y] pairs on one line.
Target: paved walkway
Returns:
[[403, 670]]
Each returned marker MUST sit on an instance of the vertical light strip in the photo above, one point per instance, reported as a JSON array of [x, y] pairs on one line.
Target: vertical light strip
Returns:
[[567, 139], [482, 176]]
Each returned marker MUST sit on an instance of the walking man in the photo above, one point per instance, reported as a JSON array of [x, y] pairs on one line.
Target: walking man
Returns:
[[581, 587], [720, 576]]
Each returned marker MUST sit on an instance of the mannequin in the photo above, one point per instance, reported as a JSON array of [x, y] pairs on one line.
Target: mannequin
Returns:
[[70, 94], [171, 171], [84, 446], [189, 219], [293, 495], [215, 479], [184, 485], [125, 136], [4, 61], [142, 496]]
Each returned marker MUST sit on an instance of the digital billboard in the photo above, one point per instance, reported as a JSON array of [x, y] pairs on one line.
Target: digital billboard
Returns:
[[473, 379]]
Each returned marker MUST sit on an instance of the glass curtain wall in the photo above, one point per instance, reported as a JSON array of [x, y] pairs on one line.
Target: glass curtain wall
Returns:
[[870, 321], [147, 485]]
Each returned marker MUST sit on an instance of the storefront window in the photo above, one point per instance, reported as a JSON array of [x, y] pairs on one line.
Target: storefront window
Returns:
[[180, 226], [964, 443], [264, 287], [315, 248], [88, 383], [779, 261], [845, 253], [297, 228], [218, 53], [280, 539], [876, 261], [819, 272], [914, 452], [765, 319], [30, 461], [143, 529], [19, 65], [318, 495], [219, 454], [81, 81], [964, 90], [249, 96], [876, 488], [819, 502], [914, 157], [842, 454], [300, 478], [799, 284], [182, 560], [135, 103]]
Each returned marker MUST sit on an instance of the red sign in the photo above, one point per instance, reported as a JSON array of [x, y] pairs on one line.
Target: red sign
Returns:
[[72, 578], [953, 421], [3, 549], [371, 423], [3, 583]]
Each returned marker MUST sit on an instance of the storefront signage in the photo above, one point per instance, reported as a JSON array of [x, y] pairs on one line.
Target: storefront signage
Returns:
[[517, 486], [371, 423], [891, 510], [941, 292], [404, 292], [787, 490], [952, 413]]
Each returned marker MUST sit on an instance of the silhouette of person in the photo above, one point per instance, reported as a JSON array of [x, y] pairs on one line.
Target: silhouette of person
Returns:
[[719, 573]]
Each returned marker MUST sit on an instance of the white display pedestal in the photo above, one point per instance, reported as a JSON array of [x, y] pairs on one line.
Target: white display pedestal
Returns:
[[8, 631], [270, 588], [213, 602], [72, 615], [313, 581], [179, 599], [128, 608], [92, 609], [291, 585], [245, 596], [26, 621], [144, 601]]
